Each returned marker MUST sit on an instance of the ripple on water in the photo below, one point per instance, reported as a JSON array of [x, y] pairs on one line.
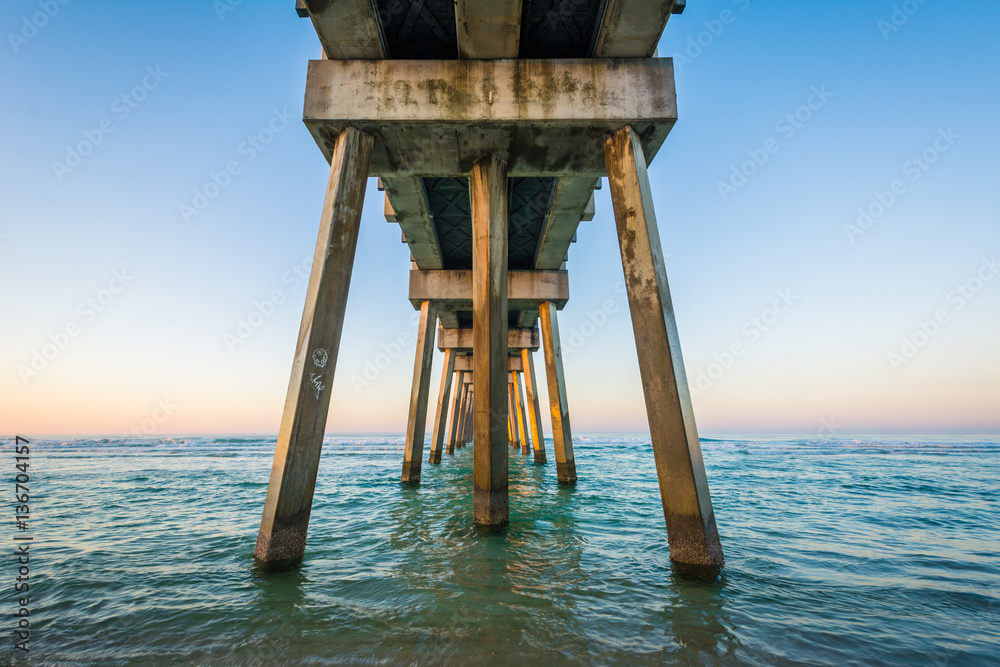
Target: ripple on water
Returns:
[[873, 551]]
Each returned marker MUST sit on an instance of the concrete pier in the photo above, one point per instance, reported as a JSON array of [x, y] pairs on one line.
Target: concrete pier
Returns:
[[490, 127], [285, 520]]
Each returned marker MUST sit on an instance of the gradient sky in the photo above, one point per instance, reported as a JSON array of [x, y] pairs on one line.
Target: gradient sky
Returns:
[[822, 365]]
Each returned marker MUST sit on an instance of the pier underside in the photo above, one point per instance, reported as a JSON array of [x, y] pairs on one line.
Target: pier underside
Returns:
[[489, 126]]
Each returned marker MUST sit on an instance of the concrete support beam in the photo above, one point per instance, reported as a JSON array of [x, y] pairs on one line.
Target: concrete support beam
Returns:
[[285, 520], [568, 208], [453, 290], [416, 420], [468, 434], [347, 29], [462, 339], [488, 30], [522, 424], [488, 189], [632, 28], [465, 363], [456, 410], [534, 409], [406, 200], [463, 416], [687, 504], [562, 436], [512, 415], [543, 117], [441, 413]]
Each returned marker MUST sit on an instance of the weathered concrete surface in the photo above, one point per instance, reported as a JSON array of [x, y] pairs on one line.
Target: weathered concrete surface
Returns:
[[488, 187], [406, 199], [285, 520], [452, 290], [522, 423], [562, 436], [456, 410], [687, 504], [441, 412], [416, 420], [347, 29], [632, 28], [543, 117], [488, 29], [534, 408], [513, 435], [463, 339], [569, 206], [465, 363], [464, 410]]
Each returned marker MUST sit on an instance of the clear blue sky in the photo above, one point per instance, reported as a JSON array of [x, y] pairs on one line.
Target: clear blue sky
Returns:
[[208, 83]]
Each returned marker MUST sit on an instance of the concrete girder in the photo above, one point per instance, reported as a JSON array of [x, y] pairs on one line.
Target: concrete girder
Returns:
[[543, 117], [488, 30], [632, 28], [406, 200], [349, 29], [453, 290], [569, 206], [464, 362], [461, 339]]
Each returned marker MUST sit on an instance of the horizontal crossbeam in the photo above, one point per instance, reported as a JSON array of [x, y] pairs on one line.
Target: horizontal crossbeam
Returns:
[[543, 117], [452, 290], [461, 339]]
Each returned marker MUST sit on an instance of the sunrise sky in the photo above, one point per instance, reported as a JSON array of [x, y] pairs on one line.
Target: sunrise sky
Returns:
[[827, 201]]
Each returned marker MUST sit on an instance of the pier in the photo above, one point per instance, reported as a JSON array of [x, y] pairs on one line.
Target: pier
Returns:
[[489, 126]]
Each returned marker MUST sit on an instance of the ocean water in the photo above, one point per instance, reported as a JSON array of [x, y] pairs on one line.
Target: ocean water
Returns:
[[869, 551]]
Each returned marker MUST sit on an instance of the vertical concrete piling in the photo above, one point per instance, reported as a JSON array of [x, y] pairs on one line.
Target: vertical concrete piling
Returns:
[[562, 436], [285, 520], [488, 189], [456, 411], [687, 504], [534, 408], [441, 413], [416, 420]]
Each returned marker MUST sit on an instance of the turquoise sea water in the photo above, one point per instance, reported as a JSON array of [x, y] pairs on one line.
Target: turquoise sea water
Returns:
[[845, 551]]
